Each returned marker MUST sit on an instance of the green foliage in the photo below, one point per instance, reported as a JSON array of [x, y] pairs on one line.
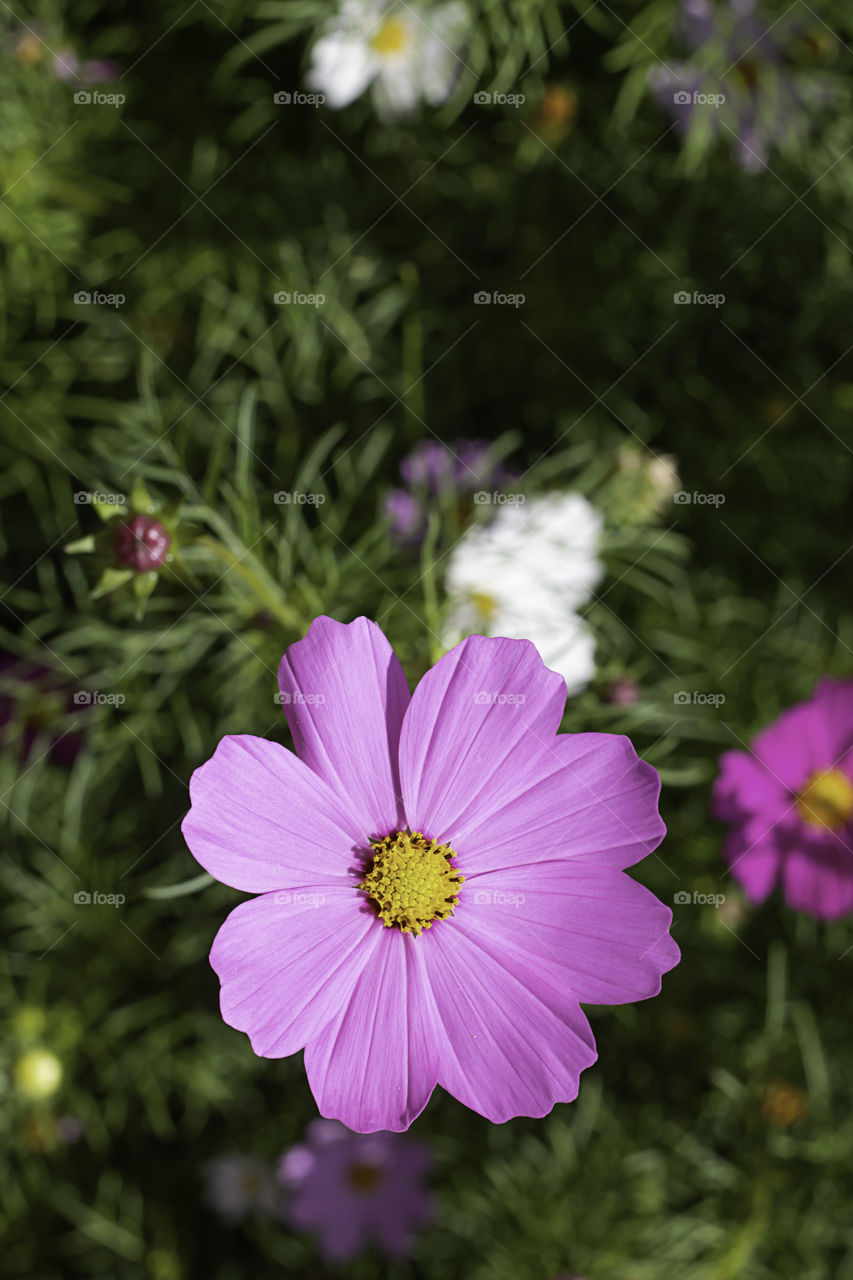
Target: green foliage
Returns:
[[199, 199]]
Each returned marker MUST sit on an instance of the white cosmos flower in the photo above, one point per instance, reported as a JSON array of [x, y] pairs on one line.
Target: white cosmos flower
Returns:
[[406, 53], [524, 575]]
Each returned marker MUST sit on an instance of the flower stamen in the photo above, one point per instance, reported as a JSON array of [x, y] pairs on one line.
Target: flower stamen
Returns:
[[826, 800], [412, 881]]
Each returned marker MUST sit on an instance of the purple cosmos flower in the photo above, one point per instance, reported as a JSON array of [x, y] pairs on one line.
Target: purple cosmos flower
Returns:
[[34, 702], [434, 468], [743, 81], [441, 879], [790, 803], [353, 1190], [68, 67], [141, 544]]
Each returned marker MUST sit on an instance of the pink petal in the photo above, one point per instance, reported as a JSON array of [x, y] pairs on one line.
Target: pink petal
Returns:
[[753, 856], [261, 820], [793, 747], [834, 701], [512, 1041], [288, 963], [584, 795], [373, 1067], [818, 877], [345, 696], [745, 786], [479, 712], [594, 930]]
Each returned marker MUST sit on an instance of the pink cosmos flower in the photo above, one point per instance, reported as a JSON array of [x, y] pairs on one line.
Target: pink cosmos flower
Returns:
[[790, 803], [355, 1189], [441, 879]]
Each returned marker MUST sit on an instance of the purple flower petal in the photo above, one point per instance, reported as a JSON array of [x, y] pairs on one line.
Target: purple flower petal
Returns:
[[818, 876], [375, 1064], [479, 711], [288, 963], [754, 860], [594, 930], [745, 786], [788, 747], [584, 795], [345, 696], [512, 1041], [261, 820], [833, 702]]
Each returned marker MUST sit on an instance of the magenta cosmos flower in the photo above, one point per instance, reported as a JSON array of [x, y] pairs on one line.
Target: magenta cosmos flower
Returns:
[[441, 879], [790, 803], [354, 1189]]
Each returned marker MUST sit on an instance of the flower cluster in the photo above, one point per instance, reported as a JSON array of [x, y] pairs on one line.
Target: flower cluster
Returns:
[[484, 995], [525, 574]]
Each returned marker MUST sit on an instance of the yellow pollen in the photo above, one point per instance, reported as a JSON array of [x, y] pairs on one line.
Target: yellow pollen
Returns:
[[391, 37], [412, 881], [484, 604], [363, 1177], [826, 800]]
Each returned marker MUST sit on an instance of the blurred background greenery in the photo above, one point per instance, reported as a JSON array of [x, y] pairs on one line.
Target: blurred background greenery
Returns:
[[713, 1137]]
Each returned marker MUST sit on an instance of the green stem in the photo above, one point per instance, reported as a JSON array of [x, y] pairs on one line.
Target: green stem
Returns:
[[265, 594]]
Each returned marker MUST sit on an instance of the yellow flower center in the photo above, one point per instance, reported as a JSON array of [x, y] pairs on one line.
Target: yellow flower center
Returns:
[[391, 37], [363, 1177], [826, 800], [412, 881], [484, 604]]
